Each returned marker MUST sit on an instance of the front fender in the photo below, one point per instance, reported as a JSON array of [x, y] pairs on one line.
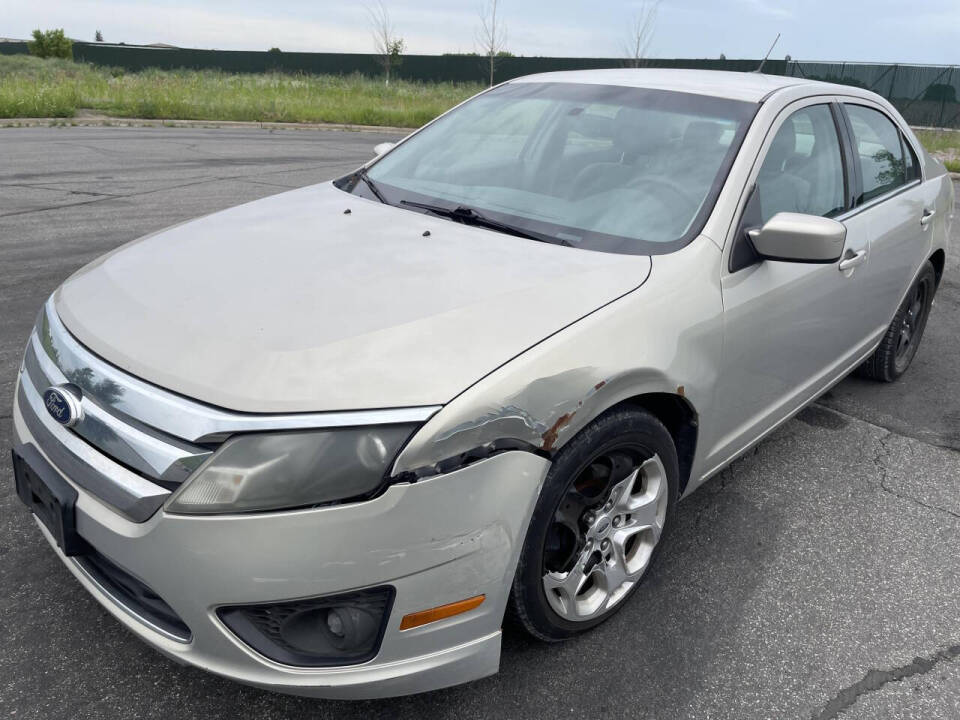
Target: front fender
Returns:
[[664, 337]]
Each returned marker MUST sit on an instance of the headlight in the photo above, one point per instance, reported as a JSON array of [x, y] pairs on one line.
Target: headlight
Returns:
[[273, 471]]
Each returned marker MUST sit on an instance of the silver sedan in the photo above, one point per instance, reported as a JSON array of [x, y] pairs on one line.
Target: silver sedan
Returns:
[[323, 442]]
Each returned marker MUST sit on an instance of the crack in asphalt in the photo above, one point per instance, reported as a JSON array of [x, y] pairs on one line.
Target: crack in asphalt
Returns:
[[944, 445], [879, 458], [41, 186], [719, 481], [268, 184], [53, 207], [875, 679], [242, 177], [111, 197]]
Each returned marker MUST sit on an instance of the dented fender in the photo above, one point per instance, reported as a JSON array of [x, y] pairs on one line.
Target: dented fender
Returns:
[[664, 337]]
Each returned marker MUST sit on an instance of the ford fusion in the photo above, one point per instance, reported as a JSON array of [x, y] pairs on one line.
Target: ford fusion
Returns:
[[323, 442]]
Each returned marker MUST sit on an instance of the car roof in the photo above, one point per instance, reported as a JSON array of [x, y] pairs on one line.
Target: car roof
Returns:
[[748, 86]]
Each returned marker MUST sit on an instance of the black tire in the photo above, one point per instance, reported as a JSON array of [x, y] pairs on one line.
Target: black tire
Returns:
[[632, 429], [899, 345]]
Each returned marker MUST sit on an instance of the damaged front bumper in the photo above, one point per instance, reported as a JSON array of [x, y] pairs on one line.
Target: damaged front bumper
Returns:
[[437, 541]]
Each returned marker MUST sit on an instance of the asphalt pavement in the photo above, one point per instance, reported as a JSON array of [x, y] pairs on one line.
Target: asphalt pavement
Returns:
[[818, 577]]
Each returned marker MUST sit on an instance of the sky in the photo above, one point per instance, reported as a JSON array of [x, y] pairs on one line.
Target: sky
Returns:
[[908, 31]]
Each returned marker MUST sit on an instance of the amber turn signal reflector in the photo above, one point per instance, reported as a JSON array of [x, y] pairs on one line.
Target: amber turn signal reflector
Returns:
[[425, 617]]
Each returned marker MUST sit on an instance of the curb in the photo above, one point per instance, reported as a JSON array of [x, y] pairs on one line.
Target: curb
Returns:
[[107, 121]]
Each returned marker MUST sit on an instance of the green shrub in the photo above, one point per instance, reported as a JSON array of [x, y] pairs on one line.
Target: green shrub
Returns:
[[52, 43], [940, 141]]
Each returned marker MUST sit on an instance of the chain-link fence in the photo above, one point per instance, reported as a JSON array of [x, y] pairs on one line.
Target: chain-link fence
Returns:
[[926, 95]]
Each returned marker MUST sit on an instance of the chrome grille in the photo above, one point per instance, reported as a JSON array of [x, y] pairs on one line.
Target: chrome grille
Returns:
[[109, 423]]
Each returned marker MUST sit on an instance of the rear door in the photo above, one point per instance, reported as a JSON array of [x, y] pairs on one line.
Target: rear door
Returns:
[[891, 204]]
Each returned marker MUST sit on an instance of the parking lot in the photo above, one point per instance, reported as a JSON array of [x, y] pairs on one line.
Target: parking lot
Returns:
[[815, 578]]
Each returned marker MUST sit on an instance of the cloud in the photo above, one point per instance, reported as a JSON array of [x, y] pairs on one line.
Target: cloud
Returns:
[[344, 29], [889, 32]]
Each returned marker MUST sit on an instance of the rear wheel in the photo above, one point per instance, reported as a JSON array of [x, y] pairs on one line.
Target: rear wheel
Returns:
[[597, 525], [899, 345]]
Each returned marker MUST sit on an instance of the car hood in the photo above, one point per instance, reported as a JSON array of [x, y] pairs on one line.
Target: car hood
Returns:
[[317, 300]]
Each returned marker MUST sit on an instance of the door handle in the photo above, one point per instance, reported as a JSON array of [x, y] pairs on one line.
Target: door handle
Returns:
[[853, 259], [927, 217]]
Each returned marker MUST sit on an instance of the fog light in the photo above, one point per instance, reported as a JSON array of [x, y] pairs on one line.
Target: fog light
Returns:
[[335, 623], [349, 627], [335, 630]]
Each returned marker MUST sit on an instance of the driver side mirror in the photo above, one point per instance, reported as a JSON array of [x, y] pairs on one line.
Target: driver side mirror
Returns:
[[380, 148], [794, 237]]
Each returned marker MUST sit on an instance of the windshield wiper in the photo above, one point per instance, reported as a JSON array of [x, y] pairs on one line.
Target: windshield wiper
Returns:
[[362, 174], [469, 216]]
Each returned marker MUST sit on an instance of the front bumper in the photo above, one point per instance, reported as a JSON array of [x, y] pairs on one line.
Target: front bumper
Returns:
[[437, 541]]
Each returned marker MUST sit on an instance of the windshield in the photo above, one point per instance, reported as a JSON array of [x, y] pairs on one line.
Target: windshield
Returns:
[[610, 168]]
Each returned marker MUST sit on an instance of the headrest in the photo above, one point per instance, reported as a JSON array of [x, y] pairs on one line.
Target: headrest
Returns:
[[638, 132], [783, 147]]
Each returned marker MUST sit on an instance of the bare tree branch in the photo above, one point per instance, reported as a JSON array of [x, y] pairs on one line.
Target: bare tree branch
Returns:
[[386, 43], [491, 35], [637, 46]]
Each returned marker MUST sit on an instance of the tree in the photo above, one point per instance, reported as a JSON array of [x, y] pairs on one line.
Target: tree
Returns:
[[491, 35], [98, 37], [387, 44], [395, 52], [274, 60], [52, 43], [641, 33], [940, 92]]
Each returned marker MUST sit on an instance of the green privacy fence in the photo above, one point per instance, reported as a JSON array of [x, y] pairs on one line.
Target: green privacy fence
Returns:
[[926, 95], [427, 68]]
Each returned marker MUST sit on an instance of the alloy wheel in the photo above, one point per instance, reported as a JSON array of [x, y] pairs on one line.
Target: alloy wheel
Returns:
[[604, 532], [911, 326]]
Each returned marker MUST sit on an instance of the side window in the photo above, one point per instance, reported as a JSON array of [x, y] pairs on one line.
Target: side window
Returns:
[[803, 169], [911, 164], [877, 148]]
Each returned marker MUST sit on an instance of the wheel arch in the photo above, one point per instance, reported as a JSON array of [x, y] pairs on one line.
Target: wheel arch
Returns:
[[545, 415], [938, 260], [679, 417]]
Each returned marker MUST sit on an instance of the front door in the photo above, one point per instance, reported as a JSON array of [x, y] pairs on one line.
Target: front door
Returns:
[[789, 328]]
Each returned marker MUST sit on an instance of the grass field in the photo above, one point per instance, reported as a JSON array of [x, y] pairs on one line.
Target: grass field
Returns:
[[943, 144], [31, 87]]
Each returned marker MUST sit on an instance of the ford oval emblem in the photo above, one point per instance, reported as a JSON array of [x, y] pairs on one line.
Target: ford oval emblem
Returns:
[[63, 406]]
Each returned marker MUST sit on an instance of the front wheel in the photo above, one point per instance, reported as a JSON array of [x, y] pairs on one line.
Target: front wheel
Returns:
[[597, 526], [899, 345]]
